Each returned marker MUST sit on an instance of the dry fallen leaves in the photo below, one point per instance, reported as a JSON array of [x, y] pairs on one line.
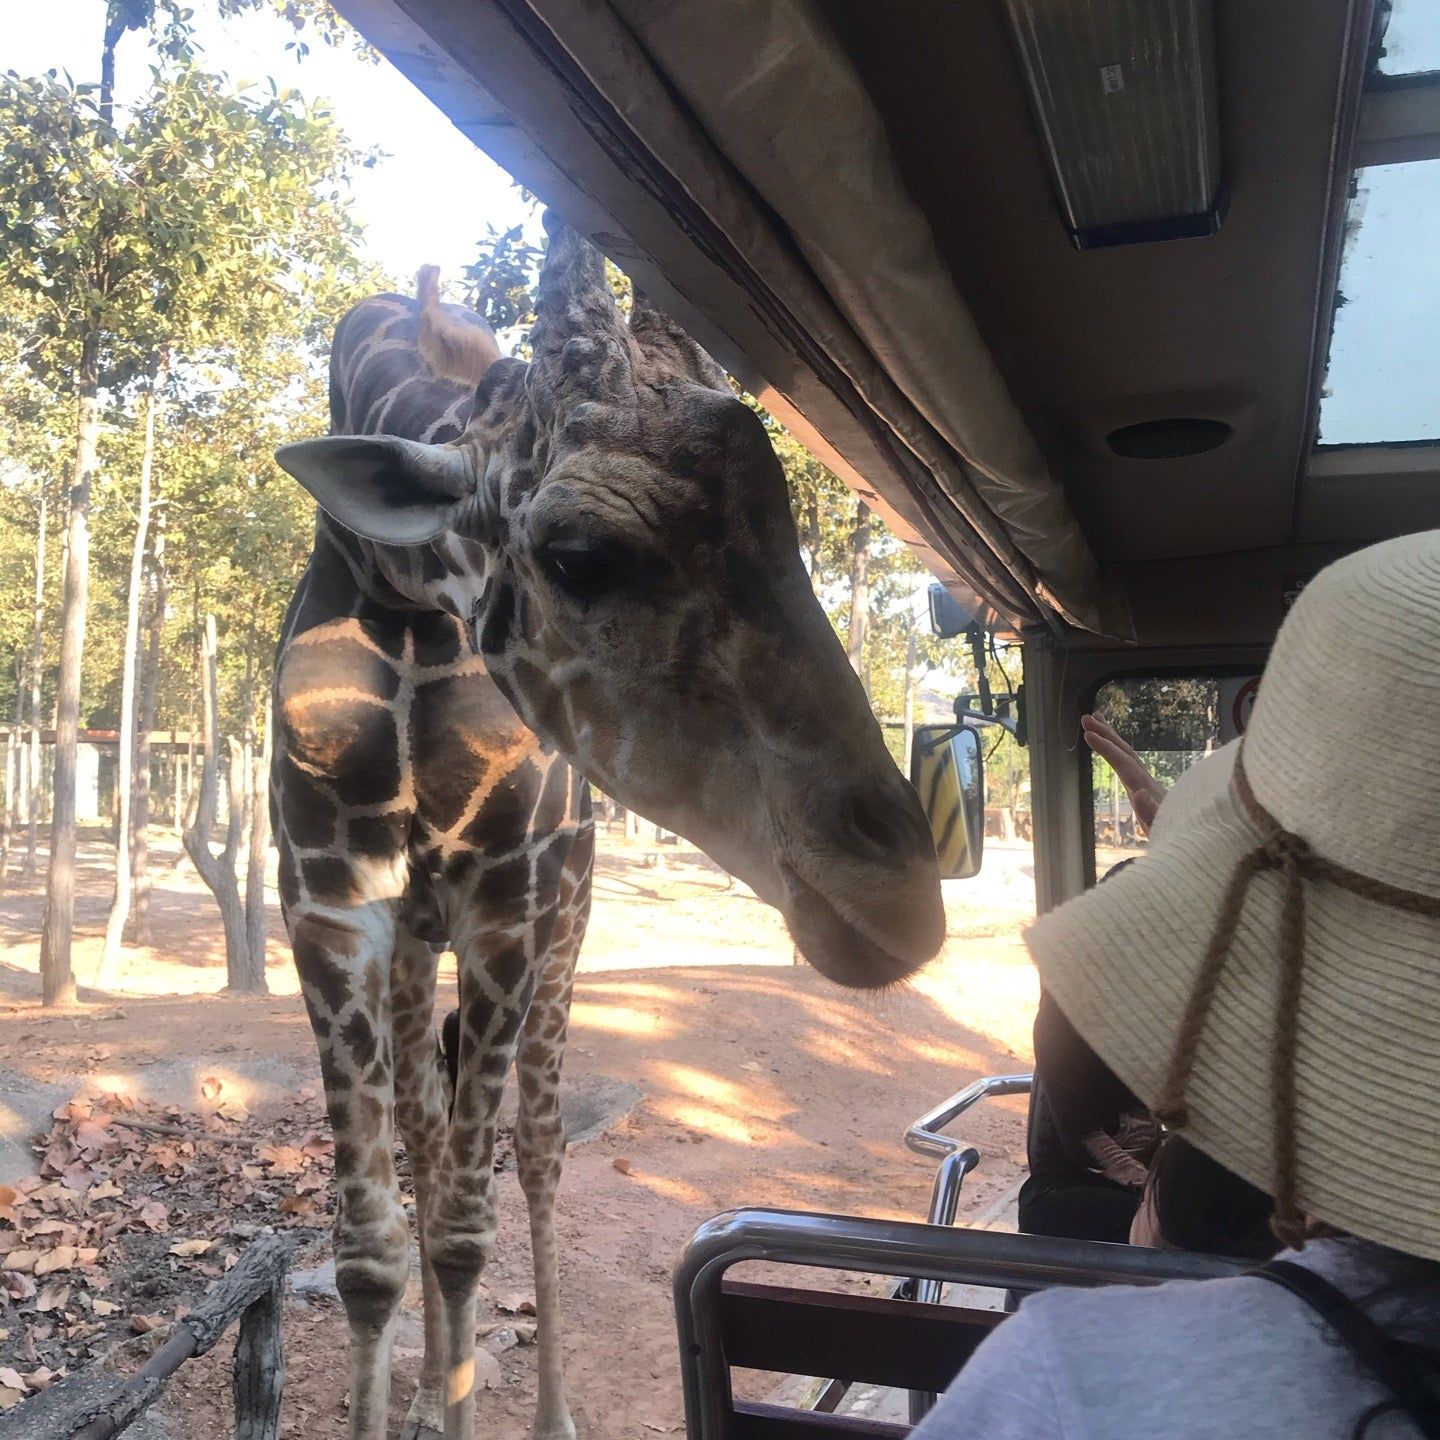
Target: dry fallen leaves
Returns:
[[139, 1208], [55, 1296], [62, 1257]]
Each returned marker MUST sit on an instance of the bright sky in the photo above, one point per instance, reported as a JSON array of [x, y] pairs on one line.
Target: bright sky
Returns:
[[1385, 356], [428, 202], [1412, 39]]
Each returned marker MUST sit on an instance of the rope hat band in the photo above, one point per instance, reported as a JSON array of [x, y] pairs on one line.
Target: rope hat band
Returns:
[[1290, 854], [1268, 974]]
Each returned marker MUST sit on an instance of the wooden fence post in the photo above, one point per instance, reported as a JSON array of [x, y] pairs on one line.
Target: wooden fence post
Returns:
[[259, 1367]]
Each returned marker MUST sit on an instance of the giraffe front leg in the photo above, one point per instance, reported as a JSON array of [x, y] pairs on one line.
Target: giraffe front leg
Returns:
[[540, 1130], [496, 979], [421, 1100], [344, 963], [540, 1155]]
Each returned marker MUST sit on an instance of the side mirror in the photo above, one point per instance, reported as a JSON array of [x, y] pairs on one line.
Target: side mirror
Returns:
[[947, 768], [948, 617]]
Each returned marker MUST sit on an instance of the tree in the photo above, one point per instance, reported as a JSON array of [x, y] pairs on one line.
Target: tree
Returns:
[[856, 630], [125, 761], [500, 285], [208, 214], [218, 872]]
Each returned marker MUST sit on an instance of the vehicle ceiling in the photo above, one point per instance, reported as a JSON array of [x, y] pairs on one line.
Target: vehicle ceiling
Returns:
[[1233, 326]]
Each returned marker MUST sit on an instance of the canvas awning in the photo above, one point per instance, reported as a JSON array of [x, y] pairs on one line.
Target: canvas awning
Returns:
[[730, 158]]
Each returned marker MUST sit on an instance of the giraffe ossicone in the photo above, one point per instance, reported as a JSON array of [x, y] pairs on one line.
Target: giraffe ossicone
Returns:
[[587, 561]]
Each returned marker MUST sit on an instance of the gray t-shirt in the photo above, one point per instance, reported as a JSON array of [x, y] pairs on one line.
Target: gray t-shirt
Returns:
[[1236, 1359]]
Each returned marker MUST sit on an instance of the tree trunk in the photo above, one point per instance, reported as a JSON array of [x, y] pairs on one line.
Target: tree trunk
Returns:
[[37, 658], [255, 920], [218, 872], [57, 981], [125, 758], [139, 933], [184, 808], [909, 709], [859, 590], [116, 23], [180, 799], [812, 540], [14, 760], [247, 709]]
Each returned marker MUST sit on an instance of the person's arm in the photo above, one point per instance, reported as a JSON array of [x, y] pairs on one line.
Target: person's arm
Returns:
[[1005, 1391], [1144, 790]]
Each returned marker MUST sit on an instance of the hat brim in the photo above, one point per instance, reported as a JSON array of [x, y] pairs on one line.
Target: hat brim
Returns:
[[1122, 959]]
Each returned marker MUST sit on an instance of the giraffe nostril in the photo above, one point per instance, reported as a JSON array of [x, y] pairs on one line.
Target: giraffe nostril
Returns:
[[877, 823]]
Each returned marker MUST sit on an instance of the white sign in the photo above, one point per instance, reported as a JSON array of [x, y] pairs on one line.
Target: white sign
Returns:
[[1237, 700]]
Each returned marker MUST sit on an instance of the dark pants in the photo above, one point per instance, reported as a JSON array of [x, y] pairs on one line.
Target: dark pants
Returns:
[[1090, 1209]]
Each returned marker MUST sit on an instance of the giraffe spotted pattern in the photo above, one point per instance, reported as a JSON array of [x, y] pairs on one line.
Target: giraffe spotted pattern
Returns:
[[414, 811]]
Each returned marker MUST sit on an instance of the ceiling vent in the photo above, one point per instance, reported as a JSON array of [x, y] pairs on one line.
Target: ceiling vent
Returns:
[[1169, 439]]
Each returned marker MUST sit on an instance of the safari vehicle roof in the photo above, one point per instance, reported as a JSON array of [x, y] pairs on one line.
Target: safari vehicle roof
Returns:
[[851, 205]]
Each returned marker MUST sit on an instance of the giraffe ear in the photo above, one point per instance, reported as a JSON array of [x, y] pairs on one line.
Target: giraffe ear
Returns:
[[398, 492]]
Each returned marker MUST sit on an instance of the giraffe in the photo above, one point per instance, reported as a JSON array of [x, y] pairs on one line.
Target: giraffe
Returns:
[[526, 574]]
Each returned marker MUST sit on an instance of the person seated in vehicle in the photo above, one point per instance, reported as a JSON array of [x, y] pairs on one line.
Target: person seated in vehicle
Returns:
[[1266, 979], [1089, 1140]]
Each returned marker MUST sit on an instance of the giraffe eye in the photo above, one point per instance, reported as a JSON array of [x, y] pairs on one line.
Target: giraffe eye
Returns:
[[585, 574]]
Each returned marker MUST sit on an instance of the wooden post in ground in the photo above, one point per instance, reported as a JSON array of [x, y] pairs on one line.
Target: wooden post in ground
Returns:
[[259, 1367]]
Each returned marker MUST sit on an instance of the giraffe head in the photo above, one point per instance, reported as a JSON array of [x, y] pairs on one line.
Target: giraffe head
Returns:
[[614, 525]]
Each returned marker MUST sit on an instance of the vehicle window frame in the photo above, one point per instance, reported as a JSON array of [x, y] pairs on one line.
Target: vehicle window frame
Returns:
[[1088, 699]]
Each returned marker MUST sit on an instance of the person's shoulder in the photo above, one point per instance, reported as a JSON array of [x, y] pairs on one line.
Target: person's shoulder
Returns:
[[1124, 1361], [1088, 1330]]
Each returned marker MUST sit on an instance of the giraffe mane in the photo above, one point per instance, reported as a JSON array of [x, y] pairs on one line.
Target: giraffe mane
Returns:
[[451, 348]]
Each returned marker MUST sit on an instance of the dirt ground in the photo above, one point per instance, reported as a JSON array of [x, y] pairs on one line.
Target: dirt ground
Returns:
[[755, 1082]]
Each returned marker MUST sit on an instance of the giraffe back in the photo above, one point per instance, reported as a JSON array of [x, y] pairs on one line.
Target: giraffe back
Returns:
[[379, 381]]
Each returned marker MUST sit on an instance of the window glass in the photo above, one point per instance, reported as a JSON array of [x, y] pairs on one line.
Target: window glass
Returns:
[[1412, 38], [1383, 378], [1171, 723]]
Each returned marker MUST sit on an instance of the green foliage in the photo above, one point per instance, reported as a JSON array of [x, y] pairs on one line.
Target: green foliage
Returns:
[[501, 282], [209, 225], [209, 215], [1171, 721]]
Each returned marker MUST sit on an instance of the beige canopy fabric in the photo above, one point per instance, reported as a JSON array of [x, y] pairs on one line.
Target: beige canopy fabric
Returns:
[[765, 83]]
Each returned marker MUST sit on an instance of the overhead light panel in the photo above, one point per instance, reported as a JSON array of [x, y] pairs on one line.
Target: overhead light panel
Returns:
[[1126, 101]]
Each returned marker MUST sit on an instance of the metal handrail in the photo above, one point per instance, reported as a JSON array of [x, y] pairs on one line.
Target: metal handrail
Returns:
[[956, 1158], [924, 1137]]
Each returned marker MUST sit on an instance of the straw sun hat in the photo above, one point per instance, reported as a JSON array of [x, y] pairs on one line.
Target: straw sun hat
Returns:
[[1267, 977]]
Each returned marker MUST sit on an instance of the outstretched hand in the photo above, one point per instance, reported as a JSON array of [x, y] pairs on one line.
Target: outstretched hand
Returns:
[[1144, 790]]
